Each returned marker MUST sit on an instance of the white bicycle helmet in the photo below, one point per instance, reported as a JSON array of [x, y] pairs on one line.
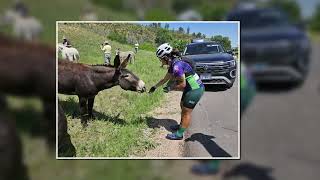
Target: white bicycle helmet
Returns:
[[163, 50]]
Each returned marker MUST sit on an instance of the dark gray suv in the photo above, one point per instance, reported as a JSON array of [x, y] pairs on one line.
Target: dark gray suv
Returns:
[[274, 49], [213, 64]]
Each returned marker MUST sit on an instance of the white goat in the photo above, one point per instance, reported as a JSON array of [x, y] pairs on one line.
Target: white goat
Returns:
[[69, 53], [27, 28], [124, 54]]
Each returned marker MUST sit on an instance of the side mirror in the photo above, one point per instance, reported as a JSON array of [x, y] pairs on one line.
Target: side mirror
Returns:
[[230, 52]]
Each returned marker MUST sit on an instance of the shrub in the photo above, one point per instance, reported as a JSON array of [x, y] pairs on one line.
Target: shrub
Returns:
[[147, 46], [114, 36], [163, 36], [179, 44]]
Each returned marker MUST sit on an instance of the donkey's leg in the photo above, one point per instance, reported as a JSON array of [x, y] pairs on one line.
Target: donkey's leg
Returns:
[[65, 146], [3, 103], [11, 156], [83, 111], [90, 107], [49, 122]]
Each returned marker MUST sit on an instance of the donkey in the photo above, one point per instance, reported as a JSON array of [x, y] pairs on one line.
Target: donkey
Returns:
[[28, 69], [87, 80], [11, 166], [65, 146]]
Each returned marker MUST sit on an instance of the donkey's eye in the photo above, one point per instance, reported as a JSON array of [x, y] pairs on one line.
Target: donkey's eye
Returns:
[[125, 75]]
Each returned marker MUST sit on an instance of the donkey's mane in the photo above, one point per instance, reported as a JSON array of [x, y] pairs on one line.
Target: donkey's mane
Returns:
[[105, 65]]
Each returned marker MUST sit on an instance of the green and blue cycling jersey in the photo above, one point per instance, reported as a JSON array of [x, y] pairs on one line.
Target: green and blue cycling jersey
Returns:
[[194, 87], [179, 67]]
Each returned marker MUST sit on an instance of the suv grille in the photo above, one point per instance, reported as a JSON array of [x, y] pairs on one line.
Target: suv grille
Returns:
[[213, 68]]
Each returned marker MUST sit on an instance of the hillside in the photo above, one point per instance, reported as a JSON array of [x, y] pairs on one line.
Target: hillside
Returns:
[[132, 33]]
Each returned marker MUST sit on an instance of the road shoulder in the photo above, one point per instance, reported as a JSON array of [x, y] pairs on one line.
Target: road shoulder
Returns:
[[167, 114]]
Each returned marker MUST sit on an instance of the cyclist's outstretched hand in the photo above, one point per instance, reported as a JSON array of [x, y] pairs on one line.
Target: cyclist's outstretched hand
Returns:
[[152, 89], [166, 89]]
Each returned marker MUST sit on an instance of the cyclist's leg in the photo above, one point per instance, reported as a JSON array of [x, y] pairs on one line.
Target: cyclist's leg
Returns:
[[189, 101]]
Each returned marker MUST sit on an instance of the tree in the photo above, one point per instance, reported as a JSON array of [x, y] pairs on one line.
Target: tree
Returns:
[[153, 25], [181, 30], [180, 44], [199, 35], [181, 5], [290, 7], [224, 41], [162, 36], [188, 30], [315, 20], [166, 26], [194, 34]]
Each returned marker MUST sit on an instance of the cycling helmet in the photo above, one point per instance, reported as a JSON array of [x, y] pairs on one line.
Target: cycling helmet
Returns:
[[163, 49]]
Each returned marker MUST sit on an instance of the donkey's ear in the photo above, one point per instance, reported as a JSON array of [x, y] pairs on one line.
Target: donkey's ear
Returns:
[[116, 61], [124, 64], [117, 51]]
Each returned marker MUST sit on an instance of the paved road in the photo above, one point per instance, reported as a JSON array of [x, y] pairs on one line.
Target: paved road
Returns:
[[280, 130], [214, 128]]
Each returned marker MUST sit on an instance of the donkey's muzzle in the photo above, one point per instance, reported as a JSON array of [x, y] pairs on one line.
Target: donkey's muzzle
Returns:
[[141, 87]]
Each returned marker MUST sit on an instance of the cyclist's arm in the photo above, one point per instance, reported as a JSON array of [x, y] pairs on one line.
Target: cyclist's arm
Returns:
[[164, 80]]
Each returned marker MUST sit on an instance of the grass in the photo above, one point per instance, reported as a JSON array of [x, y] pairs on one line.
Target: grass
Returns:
[[120, 128], [314, 36], [42, 164]]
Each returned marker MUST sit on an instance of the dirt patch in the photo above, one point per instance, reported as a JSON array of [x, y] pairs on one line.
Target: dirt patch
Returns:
[[162, 118]]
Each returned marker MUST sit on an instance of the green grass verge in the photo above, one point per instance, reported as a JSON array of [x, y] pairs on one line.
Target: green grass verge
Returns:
[[120, 128], [314, 36]]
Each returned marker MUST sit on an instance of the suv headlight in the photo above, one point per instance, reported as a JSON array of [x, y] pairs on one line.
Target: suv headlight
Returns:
[[232, 63]]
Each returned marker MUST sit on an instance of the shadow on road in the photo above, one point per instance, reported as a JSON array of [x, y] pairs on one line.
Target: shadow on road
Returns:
[[215, 88], [213, 148], [273, 87], [71, 108], [249, 171], [157, 123]]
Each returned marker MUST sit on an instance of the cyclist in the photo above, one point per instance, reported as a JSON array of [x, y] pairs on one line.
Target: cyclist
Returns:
[[180, 76]]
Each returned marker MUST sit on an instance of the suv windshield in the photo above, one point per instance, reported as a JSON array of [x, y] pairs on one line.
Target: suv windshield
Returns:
[[206, 48], [259, 18]]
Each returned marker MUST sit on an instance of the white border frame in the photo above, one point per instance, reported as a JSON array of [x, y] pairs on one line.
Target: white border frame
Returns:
[[152, 158]]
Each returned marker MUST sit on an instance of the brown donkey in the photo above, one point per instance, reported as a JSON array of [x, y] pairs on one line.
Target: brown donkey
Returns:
[[28, 69], [86, 81]]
